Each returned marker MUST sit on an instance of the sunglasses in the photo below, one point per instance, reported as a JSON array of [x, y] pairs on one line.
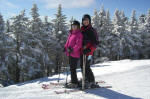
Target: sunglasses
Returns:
[[74, 26]]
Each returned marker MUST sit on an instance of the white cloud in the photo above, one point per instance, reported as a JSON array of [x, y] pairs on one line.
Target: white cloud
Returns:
[[11, 5], [7, 4], [68, 3]]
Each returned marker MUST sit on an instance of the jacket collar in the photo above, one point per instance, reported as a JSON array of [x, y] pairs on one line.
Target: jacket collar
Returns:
[[75, 31], [83, 28]]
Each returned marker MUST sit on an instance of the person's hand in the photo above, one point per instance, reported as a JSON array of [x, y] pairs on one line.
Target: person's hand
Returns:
[[70, 50], [84, 47], [89, 57], [87, 50]]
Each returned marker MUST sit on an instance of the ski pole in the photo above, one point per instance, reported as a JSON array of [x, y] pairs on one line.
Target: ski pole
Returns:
[[58, 73], [83, 74], [67, 70], [59, 68]]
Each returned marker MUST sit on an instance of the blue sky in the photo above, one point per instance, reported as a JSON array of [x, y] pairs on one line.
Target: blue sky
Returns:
[[75, 8]]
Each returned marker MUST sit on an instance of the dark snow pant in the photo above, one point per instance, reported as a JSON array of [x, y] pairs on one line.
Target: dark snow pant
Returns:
[[73, 66], [89, 76]]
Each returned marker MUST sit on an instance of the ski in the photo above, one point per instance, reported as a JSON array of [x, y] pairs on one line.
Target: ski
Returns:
[[77, 90], [54, 84], [59, 84], [46, 86]]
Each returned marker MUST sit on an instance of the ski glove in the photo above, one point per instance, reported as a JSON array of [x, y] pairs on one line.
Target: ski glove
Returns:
[[70, 50], [89, 57], [87, 50]]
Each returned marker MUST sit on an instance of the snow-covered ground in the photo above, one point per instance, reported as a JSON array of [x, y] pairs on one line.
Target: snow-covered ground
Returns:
[[130, 79]]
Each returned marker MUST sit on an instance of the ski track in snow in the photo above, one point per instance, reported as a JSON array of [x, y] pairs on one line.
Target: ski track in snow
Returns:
[[130, 79]]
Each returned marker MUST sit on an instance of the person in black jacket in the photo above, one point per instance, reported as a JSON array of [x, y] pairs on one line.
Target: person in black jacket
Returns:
[[90, 42]]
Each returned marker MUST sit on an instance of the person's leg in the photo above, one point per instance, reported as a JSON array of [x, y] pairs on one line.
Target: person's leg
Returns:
[[89, 76], [81, 63], [73, 66], [88, 72]]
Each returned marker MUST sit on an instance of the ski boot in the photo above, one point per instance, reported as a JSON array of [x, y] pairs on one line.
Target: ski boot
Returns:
[[71, 85], [93, 85]]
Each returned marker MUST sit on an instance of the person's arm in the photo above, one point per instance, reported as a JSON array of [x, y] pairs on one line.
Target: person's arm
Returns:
[[67, 42], [93, 38], [90, 49]]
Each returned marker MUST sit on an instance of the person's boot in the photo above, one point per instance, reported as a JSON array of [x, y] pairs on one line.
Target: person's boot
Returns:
[[93, 85], [86, 86], [72, 85]]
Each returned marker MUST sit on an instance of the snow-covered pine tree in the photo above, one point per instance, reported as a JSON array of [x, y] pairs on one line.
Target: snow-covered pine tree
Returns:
[[142, 19], [39, 34], [100, 27], [135, 44], [6, 56], [108, 34], [3, 68], [102, 23], [60, 32], [146, 36], [95, 20], [28, 52], [23, 61], [118, 35], [60, 26], [71, 20], [126, 41], [47, 25], [141, 28], [50, 46], [8, 28], [96, 25]]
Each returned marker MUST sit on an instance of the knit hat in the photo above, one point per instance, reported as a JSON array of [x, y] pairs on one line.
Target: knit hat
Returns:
[[76, 23], [86, 16]]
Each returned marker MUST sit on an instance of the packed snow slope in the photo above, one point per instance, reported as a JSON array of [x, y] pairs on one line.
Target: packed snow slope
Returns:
[[130, 79]]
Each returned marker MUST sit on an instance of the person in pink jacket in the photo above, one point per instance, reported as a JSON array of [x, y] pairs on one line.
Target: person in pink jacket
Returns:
[[73, 51]]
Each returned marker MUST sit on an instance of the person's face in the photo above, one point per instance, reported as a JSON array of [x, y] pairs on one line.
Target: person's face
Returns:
[[86, 22], [74, 27]]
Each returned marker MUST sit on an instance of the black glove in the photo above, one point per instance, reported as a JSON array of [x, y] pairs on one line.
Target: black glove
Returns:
[[70, 50], [87, 50]]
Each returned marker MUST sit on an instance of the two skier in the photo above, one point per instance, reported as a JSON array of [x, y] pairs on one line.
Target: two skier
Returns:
[[81, 41]]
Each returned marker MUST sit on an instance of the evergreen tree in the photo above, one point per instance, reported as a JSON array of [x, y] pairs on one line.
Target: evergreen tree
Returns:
[[38, 43], [3, 69], [8, 28], [135, 36], [71, 20], [1, 24], [146, 36], [60, 32], [50, 47], [60, 26], [118, 33], [104, 31], [95, 20], [102, 50], [21, 34]]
